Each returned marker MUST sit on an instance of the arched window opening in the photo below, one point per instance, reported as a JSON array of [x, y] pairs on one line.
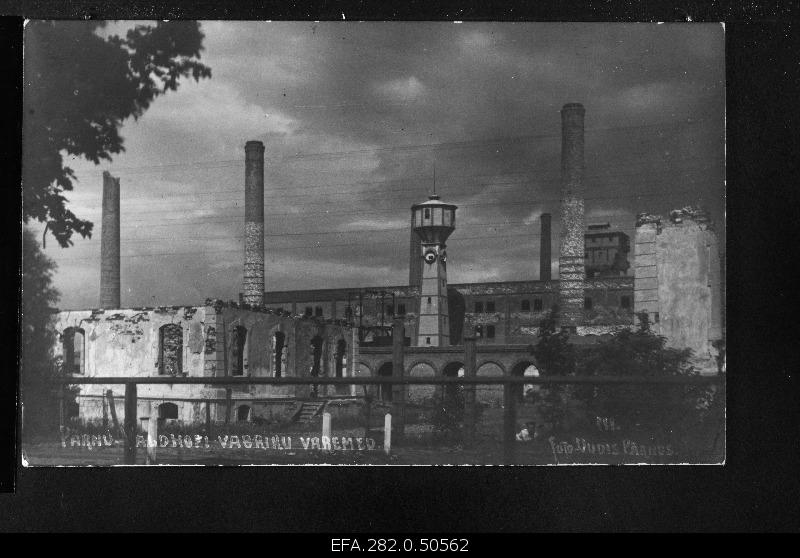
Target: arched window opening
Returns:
[[453, 394], [243, 413], [385, 390], [238, 347], [316, 354], [167, 411], [170, 341], [524, 369], [340, 359], [279, 352], [74, 340]]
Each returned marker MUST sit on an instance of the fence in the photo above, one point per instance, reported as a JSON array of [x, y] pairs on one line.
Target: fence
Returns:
[[398, 404]]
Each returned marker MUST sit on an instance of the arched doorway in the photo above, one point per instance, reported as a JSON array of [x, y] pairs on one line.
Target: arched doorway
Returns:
[[243, 413], [385, 390]]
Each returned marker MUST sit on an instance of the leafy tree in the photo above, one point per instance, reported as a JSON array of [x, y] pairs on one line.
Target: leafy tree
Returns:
[[656, 407], [555, 356], [79, 87], [38, 337], [664, 408]]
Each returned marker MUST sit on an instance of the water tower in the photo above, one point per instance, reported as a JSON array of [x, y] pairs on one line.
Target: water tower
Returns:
[[433, 221]]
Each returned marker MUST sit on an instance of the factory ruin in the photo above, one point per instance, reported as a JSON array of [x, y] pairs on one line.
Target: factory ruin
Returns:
[[671, 270]]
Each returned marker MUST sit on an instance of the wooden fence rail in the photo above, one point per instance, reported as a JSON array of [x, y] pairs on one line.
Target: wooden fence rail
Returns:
[[509, 421]]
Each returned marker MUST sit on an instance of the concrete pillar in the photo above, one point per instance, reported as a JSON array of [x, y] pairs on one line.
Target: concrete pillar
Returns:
[[545, 255], [109, 244], [571, 263], [253, 286]]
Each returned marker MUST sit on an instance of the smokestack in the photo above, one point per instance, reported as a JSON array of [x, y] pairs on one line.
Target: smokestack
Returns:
[[109, 244], [545, 265], [415, 259], [571, 262], [253, 286]]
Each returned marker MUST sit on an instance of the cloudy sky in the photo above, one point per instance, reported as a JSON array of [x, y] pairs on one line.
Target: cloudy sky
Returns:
[[355, 116]]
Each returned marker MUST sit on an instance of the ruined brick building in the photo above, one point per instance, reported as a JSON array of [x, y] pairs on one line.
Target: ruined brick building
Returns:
[[672, 272]]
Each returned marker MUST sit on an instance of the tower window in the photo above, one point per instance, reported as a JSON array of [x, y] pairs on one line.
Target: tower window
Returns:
[[479, 307], [490, 332], [587, 303], [318, 311], [490, 306], [429, 300], [526, 305], [390, 309], [427, 340], [478, 331], [309, 311], [401, 309], [537, 304], [427, 213], [625, 302]]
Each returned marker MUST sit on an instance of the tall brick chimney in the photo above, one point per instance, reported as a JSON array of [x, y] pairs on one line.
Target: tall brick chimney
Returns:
[[571, 262], [253, 285], [545, 265], [109, 244]]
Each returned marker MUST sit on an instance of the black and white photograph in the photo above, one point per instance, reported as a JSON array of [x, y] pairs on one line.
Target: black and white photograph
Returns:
[[373, 243]]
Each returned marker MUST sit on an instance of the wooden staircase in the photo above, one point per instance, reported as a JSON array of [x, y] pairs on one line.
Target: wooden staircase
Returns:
[[308, 410]]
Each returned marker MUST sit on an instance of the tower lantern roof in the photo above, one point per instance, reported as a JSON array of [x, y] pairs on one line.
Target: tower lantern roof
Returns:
[[433, 220]]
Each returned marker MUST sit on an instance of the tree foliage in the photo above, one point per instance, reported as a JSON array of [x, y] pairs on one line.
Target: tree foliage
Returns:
[[654, 407], [38, 337], [79, 87]]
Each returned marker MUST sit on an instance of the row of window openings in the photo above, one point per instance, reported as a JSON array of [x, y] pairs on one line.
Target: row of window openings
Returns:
[[538, 306], [317, 310], [170, 351]]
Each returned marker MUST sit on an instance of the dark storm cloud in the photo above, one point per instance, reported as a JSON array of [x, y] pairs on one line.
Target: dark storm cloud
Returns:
[[355, 116]]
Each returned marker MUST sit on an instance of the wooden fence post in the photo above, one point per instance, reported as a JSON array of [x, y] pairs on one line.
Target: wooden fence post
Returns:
[[152, 439], [112, 407], [387, 434], [62, 412], [470, 371], [130, 423], [509, 423], [398, 371], [326, 427], [208, 418]]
